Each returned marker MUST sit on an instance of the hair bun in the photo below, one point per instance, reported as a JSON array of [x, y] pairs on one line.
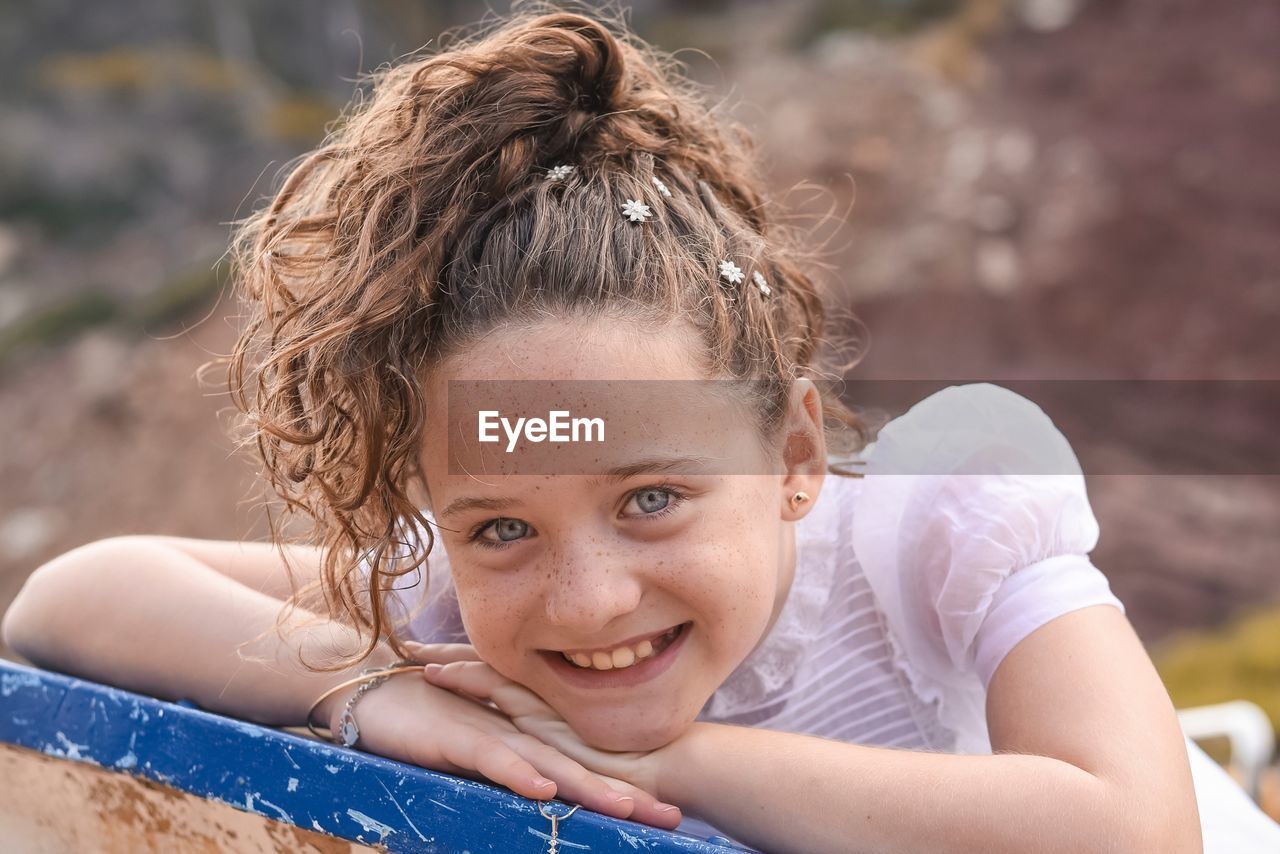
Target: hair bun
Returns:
[[582, 67], [593, 66]]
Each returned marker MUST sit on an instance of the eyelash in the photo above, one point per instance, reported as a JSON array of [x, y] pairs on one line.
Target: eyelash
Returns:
[[678, 497]]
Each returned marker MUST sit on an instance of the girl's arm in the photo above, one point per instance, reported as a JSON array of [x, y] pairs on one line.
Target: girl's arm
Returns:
[[149, 615], [1089, 757], [167, 617]]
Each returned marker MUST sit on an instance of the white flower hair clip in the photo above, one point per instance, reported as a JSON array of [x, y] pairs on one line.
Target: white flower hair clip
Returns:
[[636, 210], [730, 272], [559, 173], [761, 283], [662, 188]]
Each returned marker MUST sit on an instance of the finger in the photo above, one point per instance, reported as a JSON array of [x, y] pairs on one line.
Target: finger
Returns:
[[441, 653], [576, 782], [573, 781], [648, 809], [451, 683], [493, 758], [479, 680], [591, 788]]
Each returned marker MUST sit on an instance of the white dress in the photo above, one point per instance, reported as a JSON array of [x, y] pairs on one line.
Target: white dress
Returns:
[[971, 529]]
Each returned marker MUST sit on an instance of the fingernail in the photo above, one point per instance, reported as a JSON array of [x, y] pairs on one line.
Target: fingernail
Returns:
[[618, 797], [542, 782], [432, 668], [666, 808]]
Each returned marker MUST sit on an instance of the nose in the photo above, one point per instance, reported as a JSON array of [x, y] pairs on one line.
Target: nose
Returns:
[[590, 585]]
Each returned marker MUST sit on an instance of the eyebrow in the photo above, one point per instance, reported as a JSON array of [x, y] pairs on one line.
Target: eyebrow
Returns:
[[650, 465], [617, 474], [460, 504]]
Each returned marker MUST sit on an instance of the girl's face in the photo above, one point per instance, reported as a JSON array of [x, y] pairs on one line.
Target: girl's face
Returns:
[[601, 568]]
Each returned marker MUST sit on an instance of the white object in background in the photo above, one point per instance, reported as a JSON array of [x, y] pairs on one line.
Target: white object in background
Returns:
[[1245, 725]]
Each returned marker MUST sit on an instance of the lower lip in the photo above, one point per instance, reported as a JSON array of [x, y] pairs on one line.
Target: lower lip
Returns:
[[625, 677]]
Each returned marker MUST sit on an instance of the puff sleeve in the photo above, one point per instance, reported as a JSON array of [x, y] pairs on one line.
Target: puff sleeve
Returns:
[[426, 613], [974, 529]]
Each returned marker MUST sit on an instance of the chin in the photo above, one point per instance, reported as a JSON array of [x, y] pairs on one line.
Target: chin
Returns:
[[603, 735]]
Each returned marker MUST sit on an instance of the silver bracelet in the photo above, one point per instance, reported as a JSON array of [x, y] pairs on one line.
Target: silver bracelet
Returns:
[[348, 730]]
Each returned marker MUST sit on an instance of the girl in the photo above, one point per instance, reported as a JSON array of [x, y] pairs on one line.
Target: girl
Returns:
[[708, 616]]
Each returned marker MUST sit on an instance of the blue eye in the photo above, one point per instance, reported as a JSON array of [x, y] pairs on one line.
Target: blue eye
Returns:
[[508, 530], [656, 501], [652, 500]]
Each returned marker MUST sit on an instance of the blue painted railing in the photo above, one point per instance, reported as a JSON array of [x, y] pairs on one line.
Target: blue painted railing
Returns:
[[297, 780]]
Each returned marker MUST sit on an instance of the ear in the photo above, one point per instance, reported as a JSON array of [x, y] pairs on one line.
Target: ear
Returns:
[[804, 449]]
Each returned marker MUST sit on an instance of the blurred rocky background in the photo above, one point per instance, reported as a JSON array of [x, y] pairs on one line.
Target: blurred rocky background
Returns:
[[1004, 190]]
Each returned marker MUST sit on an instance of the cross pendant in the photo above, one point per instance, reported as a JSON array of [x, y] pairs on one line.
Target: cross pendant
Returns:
[[555, 834], [553, 844]]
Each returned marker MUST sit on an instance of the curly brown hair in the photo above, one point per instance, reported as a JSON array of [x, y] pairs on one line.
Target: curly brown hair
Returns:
[[426, 219]]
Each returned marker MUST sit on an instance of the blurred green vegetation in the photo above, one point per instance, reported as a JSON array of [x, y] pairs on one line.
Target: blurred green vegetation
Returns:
[[58, 323], [181, 297], [1241, 661], [88, 212], [287, 113], [142, 68], [301, 117]]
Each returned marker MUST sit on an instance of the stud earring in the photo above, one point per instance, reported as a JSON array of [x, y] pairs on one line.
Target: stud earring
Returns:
[[798, 499]]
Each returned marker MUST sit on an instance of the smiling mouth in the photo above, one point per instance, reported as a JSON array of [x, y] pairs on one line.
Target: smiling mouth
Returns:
[[624, 657]]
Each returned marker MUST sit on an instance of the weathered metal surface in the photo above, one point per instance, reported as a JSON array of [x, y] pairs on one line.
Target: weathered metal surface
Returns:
[[276, 775], [51, 806]]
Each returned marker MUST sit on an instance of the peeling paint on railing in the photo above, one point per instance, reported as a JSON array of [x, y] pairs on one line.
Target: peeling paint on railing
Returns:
[[290, 778]]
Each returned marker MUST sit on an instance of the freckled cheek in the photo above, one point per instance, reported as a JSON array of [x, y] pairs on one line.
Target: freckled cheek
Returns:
[[493, 614], [734, 586]]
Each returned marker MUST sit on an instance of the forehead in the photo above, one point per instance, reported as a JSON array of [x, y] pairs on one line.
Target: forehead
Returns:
[[643, 384], [578, 348]]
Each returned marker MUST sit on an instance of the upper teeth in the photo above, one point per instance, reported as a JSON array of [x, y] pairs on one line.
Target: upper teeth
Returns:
[[623, 656]]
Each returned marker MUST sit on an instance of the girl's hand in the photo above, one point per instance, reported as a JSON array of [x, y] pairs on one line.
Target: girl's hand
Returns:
[[411, 721], [465, 674]]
